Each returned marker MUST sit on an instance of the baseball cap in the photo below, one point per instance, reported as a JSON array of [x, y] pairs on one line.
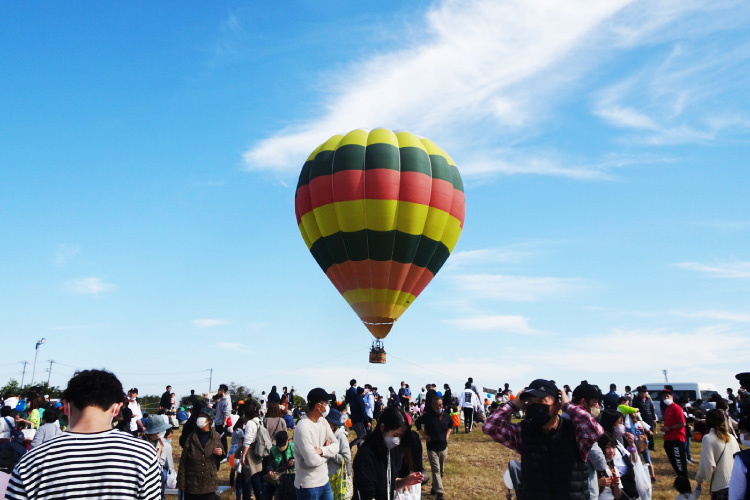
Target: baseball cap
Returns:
[[317, 395], [542, 388], [586, 391]]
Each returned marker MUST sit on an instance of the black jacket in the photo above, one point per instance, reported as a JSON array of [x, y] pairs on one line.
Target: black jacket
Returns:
[[370, 478], [357, 409], [436, 427]]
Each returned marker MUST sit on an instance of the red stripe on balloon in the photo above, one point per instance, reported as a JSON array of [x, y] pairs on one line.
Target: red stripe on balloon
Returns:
[[348, 185], [415, 187], [458, 207], [321, 191], [302, 202], [442, 195], [382, 184]]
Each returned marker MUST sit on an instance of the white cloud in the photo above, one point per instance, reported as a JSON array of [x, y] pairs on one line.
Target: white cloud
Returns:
[[735, 269], [91, 286], [711, 314], [209, 322], [487, 256], [475, 61], [514, 288], [510, 324], [65, 252], [230, 346]]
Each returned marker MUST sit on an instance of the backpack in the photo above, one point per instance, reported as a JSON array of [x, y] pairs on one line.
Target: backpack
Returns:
[[263, 443], [10, 455]]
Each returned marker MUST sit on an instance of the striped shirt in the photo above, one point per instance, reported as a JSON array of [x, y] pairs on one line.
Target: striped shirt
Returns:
[[107, 465]]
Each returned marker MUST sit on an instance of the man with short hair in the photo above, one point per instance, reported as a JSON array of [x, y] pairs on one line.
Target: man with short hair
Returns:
[[369, 407], [91, 460], [351, 392], [314, 444], [645, 407], [222, 411], [610, 399], [165, 403], [435, 427], [358, 415], [673, 427], [469, 404], [553, 449], [136, 422], [404, 396]]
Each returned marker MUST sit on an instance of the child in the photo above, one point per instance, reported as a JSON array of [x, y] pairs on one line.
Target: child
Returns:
[[238, 437], [49, 429], [685, 491], [610, 487], [643, 429], [456, 417]]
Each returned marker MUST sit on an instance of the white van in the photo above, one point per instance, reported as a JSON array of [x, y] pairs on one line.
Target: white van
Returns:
[[689, 391]]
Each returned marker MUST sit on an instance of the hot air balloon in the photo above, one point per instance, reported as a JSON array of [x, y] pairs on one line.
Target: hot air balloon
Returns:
[[381, 212]]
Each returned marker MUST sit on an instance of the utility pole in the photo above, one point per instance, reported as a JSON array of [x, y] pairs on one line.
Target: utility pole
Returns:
[[49, 370], [210, 378], [33, 372], [666, 380], [23, 376]]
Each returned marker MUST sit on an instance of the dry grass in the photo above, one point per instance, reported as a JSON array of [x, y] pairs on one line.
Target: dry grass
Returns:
[[476, 464]]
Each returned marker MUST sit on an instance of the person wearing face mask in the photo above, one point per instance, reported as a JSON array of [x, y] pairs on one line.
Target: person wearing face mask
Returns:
[[90, 460], [589, 397], [553, 449], [156, 428], [381, 456], [738, 483], [717, 449], [200, 459], [314, 444], [136, 423], [673, 427], [645, 407], [436, 427], [612, 421]]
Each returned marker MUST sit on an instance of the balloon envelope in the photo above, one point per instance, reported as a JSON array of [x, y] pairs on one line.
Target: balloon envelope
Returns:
[[380, 212]]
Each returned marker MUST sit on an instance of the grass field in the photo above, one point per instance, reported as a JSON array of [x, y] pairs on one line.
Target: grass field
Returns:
[[476, 465]]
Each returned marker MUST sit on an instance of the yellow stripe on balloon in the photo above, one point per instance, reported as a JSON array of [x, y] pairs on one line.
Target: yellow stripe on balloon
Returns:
[[356, 137], [350, 215], [305, 237], [381, 214], [435, 224], [382, 136], [326, 219], [451, 233], [411, 217], [311, 226], [409, 140], [384, 296], [434, 149]]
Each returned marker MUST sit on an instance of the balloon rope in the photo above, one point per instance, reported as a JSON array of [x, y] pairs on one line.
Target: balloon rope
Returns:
[[442, 374]]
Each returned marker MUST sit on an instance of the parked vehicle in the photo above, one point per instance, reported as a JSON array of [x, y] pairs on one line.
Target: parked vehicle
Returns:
[[685, 391]]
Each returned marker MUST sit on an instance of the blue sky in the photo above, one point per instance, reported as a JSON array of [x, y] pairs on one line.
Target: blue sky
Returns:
[[149, 154]]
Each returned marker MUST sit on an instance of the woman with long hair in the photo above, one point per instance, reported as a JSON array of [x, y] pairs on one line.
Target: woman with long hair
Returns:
[[717, 455], [274, 420], [380, 457]]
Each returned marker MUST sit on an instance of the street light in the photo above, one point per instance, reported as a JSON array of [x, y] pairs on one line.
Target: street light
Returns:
[[36, 355]]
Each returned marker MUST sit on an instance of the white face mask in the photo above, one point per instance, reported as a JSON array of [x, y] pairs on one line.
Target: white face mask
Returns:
[[391, 441], [595, 411], [668, 401], [201, 422], [161, 434], [619, 430], [325, 412]]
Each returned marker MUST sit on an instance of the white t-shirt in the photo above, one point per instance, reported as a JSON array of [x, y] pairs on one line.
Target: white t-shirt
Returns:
[[6, 426], [137, 414]]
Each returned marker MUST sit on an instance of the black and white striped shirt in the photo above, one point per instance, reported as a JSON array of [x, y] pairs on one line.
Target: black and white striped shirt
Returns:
[[107, 465]]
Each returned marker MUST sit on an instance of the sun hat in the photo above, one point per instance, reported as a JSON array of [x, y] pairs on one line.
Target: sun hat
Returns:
[[334, 416], [156, 424]]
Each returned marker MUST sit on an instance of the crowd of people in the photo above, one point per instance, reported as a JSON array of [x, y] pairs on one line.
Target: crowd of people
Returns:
[[96, 442]]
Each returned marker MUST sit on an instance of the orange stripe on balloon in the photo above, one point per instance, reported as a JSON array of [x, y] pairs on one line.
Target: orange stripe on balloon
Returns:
[[415, 187], [458, 207], [442, 195]]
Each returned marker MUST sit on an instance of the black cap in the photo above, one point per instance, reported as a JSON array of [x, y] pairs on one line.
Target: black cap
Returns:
[[586, 391], [542, 388], [744, 379], [317, 395]]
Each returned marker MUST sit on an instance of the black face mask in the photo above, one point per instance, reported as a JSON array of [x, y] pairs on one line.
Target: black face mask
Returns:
[[538, 414]]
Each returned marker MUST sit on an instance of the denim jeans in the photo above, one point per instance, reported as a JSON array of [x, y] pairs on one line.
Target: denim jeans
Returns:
[[255, 485], [320, 493]]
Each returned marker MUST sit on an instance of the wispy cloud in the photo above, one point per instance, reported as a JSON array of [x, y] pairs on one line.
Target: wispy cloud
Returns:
[[514, 288], [711, 314], [734, 269], [209, 322], [510, 324], [229, 346], [65, 252], [472, 62], [489, 256], [91, 286], [474, 65]]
